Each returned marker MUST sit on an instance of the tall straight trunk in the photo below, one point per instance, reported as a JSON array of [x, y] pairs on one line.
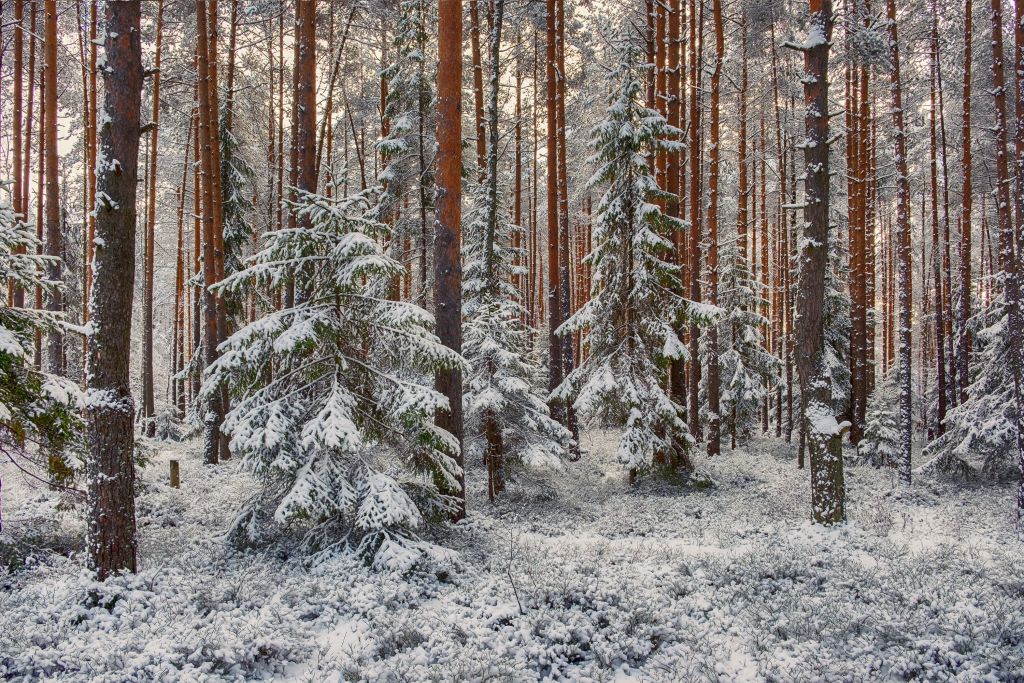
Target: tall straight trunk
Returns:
[[904, 276], [999, 90], [963, 339], [714, 422], [17, 295], [517, 179], [197, 249], [1015, 295], [305, 106], [565, 284], [478, 87], [91, 144], [181, 338], [940, 326], [554, 310], [54, 299], [229, 105], [110, 469], [26, 171], [677, 369], [693, 255], [148, 401], [740, 263], [495, 456], [213, 413], [448, 222], [823, 434]]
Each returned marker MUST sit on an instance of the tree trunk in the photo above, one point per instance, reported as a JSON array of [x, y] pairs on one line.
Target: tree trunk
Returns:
[[213, 413], [448, 222], [693, 257], [963, 340], [109, 406], [939, 298], [54, 299], [904, 276], [16, 295], [715, 420], [148, 401], [554, 310], [823, 434], [1015, 295], [478, 87], [305, 107]]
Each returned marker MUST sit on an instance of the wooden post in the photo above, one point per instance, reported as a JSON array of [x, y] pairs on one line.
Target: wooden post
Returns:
[[175, 474]]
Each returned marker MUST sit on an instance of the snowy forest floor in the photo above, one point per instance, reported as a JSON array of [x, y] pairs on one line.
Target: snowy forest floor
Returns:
[[582, 579]]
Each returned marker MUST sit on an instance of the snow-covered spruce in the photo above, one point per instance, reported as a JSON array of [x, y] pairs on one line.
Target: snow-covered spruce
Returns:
[[982, 431], [39, 412], [406, 200], [881, 443], [236, 180], [748, 370], [630, 323], [331, 411]]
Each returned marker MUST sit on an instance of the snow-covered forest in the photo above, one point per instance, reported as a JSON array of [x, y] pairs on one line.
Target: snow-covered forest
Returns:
[[512, 340]]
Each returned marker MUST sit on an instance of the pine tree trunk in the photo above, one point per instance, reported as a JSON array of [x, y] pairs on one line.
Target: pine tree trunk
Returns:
[[54, 299], [1015, 288], [565, 300], [213, 414], [693, 257], [148, 400], [963, 339], [478, 87], [305, 107], [823, 434], [553, 309], [16, 295], [904, 276], [109, 407], [447, 226], [715, 420], [939, 298]]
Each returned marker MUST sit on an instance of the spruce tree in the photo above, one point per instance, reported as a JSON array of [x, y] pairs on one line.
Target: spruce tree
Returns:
[[332, 407], [629, 325], [881, 443], [39, 417], [407, 180]]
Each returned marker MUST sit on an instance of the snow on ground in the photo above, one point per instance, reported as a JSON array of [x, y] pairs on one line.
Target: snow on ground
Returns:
[[582, 579]]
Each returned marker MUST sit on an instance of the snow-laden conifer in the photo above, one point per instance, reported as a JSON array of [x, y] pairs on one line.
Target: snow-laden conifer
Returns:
[[407, 181], [747, 369], [881, 443], [333, 409], [39, 417], [982, 431], [629, 324]]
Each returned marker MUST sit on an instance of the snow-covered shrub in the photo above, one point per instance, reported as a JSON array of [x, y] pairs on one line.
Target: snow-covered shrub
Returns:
[[629, 325], [332, 411]]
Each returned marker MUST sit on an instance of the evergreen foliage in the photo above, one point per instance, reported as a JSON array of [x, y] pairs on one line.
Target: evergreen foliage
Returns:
[[40, 420], [629, 324], [332, 410], [503, 376]]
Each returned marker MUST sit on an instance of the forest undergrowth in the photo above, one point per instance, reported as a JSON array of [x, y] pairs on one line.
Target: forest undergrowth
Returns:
[[577, 578]]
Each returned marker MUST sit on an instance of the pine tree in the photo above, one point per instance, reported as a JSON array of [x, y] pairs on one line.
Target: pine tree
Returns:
[[333, 412], [630, 323], [39, 416]]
